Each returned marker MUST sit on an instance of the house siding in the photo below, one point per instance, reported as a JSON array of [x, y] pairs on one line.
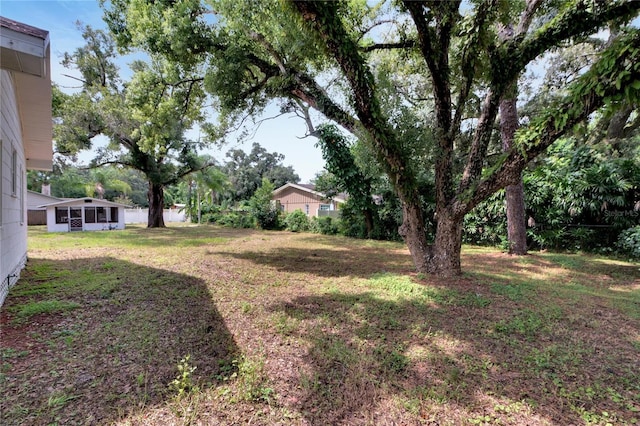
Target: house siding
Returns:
[[36, 199], [35, 214], [13, 229], [295, 199]]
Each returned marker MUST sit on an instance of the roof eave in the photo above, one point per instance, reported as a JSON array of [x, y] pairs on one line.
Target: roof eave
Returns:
[[25, 51]]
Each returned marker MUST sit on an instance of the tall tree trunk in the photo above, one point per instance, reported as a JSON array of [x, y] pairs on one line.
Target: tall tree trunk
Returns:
[[444, 259], [412, 231], [368, 221], [516, 221], [156, 205]]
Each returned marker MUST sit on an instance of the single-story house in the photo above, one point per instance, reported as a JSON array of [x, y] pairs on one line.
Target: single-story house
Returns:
[[301, 196], [36, 214], [26, 140], [84, 214]]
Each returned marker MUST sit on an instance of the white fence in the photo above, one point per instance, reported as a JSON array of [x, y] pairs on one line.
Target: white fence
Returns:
[[142, 215]]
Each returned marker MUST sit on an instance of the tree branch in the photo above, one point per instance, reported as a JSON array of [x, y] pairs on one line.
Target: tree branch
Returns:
[[389, 46], [614, 78], [577, 21], [527, 16], [509, 60], [323, 17], [434, 45], [272, 51], [482, 19]]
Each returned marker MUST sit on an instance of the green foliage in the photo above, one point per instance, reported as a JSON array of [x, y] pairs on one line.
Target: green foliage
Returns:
[[246, 172], [296, 221], [629, 242], [183, 383], [486, 224], [416, 104], [234, 219], [341, 164], [144, 119], [324, 225], [253, 380], [44, 307], [580, 197], [262, 208]]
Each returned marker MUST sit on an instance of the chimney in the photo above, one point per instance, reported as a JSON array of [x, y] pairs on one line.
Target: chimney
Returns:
[[46, 189]]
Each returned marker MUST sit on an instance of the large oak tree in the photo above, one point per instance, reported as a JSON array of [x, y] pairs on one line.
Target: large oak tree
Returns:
[[145, 120], [323, 55]]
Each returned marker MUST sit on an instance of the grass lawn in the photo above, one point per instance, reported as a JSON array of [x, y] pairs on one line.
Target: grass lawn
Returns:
[[214, 326]]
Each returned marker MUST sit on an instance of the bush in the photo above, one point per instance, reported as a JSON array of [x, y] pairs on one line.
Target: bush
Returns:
[[296, 221], [324, 225], [262, 208], [486, 224], [629, 242], [236, 219]]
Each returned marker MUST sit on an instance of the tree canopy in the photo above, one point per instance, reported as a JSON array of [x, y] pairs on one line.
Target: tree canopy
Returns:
[[246, 171], [145, 120], [456, 67]]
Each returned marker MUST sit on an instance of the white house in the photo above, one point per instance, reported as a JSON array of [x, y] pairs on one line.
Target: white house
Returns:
[[25, 136], [84, 214]]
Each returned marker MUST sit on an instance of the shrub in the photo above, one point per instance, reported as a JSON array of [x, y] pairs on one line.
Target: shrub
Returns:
[[235, 219], [629, 242], [324, 225], [296, 221], [262, 208]]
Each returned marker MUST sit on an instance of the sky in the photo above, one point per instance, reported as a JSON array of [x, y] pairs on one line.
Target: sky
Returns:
[[283, 134]]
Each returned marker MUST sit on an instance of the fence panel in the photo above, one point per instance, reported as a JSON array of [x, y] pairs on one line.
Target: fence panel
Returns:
[[36, 217], [142, 215]]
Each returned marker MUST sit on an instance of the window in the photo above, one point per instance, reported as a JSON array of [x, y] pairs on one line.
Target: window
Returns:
[[325, 207], [101, 214], [14, 173], [62, 215], [113, 216], [306, 209], [1, 181], [22, 198], [90, 215]]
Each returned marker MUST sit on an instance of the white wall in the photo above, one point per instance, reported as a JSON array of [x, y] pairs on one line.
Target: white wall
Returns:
[[142, 215], [13, 220]]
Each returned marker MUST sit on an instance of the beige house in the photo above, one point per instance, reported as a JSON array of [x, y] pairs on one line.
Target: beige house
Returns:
[[25, 136], [299, 196]]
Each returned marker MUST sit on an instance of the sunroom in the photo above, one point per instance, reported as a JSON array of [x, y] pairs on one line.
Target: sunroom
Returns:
[[84, 214]]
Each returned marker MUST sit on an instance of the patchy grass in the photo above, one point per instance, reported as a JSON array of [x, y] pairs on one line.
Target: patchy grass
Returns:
[[29, 309], [206, 325]]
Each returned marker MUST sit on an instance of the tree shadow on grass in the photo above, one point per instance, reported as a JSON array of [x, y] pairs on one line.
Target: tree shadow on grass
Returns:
[[378, 361], [330, 263], [579, 265], [182, 235], [116, 352]]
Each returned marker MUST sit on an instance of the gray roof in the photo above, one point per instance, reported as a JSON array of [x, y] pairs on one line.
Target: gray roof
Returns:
[[83, 202]]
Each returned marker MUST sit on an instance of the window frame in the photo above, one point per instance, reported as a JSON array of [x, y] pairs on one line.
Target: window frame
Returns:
[[14, 172], [93, 213], [102, 215], [113, 209], [61, 219]]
